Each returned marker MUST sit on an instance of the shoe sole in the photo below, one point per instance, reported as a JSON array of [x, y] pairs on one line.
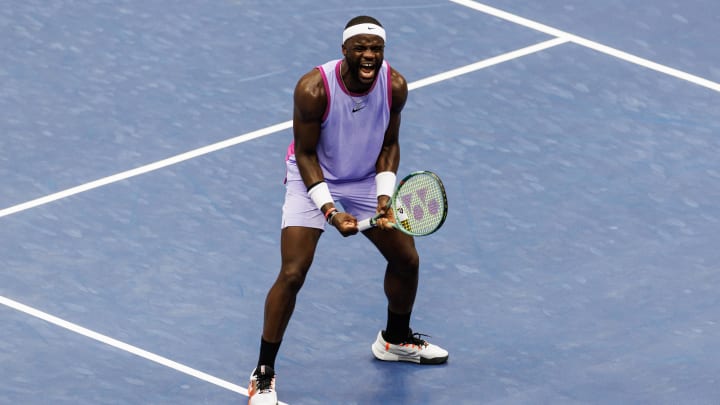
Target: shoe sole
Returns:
[[387, 356], [276, 403]]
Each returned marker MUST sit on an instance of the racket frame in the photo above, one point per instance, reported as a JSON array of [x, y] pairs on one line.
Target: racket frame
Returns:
[[372, 222]]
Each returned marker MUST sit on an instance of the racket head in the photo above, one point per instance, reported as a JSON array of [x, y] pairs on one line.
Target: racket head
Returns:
[[420, 203]]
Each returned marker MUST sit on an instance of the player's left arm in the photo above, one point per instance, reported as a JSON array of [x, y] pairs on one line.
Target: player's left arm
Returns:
[[389, 158]]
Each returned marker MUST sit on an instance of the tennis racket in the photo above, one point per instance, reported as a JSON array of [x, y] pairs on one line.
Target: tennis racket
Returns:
[[419, 203]]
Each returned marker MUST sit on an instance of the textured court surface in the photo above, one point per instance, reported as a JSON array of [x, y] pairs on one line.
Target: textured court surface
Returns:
[[579, 263]]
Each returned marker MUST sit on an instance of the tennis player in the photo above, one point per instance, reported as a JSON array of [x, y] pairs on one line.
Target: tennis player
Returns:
[[346, 124]]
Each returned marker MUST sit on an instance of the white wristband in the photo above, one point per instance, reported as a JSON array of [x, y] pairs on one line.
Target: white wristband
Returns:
[[320, 194], [385, 183]]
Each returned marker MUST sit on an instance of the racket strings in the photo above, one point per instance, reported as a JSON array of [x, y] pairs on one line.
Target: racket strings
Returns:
[[421, 200]]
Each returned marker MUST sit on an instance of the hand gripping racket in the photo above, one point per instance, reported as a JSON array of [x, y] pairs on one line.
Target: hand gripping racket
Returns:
[[419, 203]]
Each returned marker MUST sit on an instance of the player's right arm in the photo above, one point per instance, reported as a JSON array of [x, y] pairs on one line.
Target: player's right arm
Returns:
[[310, 103]]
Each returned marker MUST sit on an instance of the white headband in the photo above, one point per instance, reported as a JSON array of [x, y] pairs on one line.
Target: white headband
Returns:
[[371, 29]]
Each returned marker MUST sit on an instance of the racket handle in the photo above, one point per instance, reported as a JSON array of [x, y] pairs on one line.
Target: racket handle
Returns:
[[365, 224]]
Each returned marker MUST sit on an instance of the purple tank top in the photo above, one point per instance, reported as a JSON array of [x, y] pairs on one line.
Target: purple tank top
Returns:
[[353, 126]]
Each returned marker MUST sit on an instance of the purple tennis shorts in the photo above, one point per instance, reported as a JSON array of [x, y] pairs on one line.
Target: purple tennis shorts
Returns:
[[357, 198]]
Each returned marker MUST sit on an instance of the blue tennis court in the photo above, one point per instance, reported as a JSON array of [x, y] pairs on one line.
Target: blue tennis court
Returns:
[[142, 157]]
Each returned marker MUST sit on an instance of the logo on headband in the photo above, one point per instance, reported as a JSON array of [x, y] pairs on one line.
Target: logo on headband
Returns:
[[363, 29]]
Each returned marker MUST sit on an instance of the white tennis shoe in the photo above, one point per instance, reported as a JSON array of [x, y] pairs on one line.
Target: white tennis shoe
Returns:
[[414, 349], [261, 390]]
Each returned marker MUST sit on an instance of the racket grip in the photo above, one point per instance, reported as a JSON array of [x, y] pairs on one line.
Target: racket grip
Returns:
[[365, 224]]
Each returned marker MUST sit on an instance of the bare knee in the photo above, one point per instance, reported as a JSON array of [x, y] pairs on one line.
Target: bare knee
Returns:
[[297, 247], [407, 262], [291, 278]]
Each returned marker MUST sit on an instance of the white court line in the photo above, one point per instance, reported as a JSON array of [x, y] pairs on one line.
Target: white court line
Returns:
[[486, 63], [193, 154], [590, 44], [259, 133], [562, 37], [122, 346], [145, 169]]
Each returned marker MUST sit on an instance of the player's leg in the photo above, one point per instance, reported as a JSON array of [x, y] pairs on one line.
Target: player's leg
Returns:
[[401, 274], [400, 283], [302, 225], [403, 262], [397, 342], [297, 247], [401, 277]]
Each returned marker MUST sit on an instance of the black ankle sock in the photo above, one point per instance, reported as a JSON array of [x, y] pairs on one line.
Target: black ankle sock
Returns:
[[398, 327], [268, 352]]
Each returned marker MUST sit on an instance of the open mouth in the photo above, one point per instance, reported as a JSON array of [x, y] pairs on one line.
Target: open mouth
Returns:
[[367, 72]]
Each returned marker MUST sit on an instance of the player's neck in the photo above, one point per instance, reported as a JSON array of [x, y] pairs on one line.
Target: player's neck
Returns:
[[351, 83]]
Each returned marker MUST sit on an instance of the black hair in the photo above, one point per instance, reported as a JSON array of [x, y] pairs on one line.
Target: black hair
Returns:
[[362, 19]]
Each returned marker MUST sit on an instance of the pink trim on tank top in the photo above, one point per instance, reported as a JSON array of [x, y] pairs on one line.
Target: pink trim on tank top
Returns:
[[327, 92]]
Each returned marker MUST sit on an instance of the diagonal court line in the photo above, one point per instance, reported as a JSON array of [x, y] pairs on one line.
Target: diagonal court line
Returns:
[[561, 38], [193, 154], [486, 63], [145, 169], [260, 133], [590, 44], [122, 346], [119, 345]]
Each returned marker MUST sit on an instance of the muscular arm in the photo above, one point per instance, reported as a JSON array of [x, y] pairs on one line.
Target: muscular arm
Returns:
[[389, 158], [310, 102]]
